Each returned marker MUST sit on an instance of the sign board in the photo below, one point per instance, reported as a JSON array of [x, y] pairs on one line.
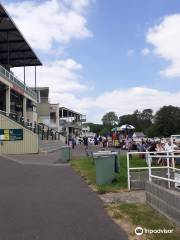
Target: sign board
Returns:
[[11, 134]]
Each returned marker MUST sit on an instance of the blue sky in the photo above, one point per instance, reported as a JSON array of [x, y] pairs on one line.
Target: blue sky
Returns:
[[119, 26], [108, 55]]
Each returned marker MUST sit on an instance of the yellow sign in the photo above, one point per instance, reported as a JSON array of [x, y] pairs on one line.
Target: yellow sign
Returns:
[[6, 134], [11, 134]]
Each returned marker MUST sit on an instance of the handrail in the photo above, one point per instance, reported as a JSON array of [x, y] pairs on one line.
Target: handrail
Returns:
[[148, 152], [176, 169], [149, 166], [13, 79], [43, 124], [165, 179], [18, 119], [37, 128]]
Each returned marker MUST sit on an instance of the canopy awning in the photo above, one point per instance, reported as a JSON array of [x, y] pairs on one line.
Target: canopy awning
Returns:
[[14, 49]]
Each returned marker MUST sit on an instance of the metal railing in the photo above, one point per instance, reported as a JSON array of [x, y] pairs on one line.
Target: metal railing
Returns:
[[44, 131], [18, 119], [149, 156], [47, 133], [13, 79]]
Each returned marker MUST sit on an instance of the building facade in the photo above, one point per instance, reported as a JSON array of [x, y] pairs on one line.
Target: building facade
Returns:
[[27, 109], [64, 120], [70, 122], [16, 98]]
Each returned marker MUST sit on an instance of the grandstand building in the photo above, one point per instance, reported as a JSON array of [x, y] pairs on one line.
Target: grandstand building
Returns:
[[26, 115], [15, 96]]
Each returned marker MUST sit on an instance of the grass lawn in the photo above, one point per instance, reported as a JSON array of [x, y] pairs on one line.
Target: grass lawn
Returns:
[[86, 168], [131, 215]]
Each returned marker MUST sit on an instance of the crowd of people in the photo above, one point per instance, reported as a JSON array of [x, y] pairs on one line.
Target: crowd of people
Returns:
[[101, 141], [129, 144], [157, 147], [86, 141], [150, 145]]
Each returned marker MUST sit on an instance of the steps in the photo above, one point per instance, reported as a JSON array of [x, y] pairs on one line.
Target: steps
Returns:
[[50, 146]]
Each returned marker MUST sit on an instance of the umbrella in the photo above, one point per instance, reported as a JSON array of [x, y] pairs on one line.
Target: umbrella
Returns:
[[126, 126], [117, 129]]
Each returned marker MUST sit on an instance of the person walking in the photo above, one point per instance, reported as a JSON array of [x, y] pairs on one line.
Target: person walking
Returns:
[[73, 142], [85, 141]]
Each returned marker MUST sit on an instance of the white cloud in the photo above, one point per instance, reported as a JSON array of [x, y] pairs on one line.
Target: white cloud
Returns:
[[127, 100], [130, 52], [122, 101], [145, 51], [60, 76], [51, 21], [78, 5], [165, 37], [64, 81]]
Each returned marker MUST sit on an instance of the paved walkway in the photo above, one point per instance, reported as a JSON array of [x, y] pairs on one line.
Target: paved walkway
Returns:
[[55, 155], [50, 146], [50, 202], [37, 159], [80, 151]]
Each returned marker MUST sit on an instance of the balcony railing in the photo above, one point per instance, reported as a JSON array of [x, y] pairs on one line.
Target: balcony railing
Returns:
[[13, 79], [65, 123]]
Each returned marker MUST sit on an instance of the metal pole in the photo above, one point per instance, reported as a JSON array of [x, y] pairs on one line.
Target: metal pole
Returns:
[[171, 141], [24, 72], [172, 148], [24, 75], [68, 127], [8, 66], [128, 172], [35, 79], [149, 166], [173, 161], [168, 173]]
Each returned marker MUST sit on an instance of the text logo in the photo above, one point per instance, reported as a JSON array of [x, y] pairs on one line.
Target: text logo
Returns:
[[139, 231]]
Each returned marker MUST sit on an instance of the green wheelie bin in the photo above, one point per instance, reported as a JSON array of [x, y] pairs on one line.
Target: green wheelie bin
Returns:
[[106, 166], [66, 153]]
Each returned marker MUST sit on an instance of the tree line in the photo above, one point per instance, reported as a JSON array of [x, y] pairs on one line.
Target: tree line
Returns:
[[163, 123]]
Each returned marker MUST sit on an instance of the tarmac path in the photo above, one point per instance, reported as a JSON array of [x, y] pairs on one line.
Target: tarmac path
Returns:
[[46, 202]]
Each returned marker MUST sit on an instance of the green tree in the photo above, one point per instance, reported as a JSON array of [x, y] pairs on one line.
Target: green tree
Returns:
[[95, 128], [147, 115], [146, 119], [140, 120], [167, 121], [127, 119], [110, 119], [104, 132], [99, 129]]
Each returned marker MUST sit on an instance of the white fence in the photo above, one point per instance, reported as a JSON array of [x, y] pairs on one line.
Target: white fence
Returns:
[[167, 156]]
